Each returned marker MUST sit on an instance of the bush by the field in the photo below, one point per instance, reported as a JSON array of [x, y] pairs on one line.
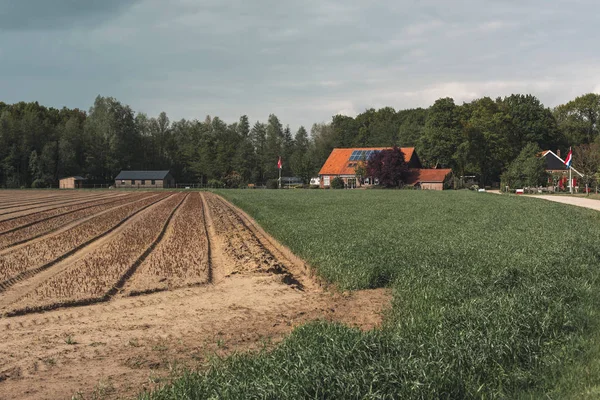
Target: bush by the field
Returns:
[[272, 184], [337, 183], [215, 184], [493, 297]]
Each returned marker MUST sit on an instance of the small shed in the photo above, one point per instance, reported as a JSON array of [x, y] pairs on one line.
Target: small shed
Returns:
[[429, 179], [145, 179], [71, 182]]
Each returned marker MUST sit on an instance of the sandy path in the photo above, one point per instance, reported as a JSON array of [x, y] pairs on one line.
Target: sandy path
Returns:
[[574, 201], [130, 344]]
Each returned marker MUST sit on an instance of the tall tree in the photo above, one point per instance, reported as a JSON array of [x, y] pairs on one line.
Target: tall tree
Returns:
[[529, 122], [442, 134], [273, 146], [579, 119], [258, 137], [301, 159], [388, 167]]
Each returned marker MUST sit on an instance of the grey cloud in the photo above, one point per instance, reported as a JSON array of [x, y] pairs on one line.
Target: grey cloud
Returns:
[[57, 14], [304, 61]]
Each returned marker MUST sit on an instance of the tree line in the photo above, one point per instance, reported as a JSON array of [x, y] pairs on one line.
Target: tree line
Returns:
[[481, 138]]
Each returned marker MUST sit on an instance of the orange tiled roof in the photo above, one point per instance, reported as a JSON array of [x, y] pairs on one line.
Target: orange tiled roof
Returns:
[[339, 162], [427, 175]]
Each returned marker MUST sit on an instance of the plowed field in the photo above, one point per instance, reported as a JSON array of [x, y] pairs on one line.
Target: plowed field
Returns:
[[107, 293]]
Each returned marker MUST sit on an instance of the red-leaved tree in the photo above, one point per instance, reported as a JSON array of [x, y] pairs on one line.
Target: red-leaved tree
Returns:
[[388, 166]]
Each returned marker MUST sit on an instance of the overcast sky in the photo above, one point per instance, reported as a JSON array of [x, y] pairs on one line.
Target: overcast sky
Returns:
[[302, 60]]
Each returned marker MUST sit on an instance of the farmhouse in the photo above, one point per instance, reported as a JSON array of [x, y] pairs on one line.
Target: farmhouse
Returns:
[[144, 179], [71, 182], [342, 163], [555, 166]]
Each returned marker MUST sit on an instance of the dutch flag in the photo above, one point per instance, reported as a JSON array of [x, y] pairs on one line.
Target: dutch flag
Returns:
[[569, 158]]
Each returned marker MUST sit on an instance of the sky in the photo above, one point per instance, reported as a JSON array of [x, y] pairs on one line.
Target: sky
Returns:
[[304, 61]]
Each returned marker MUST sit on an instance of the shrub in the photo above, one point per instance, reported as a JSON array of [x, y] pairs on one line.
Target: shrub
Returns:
[[39, 184], [215, 184], [273, 184], [337, 183], [233, 180]]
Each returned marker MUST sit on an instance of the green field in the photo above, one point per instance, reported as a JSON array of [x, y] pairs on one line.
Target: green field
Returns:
[[495, 297]]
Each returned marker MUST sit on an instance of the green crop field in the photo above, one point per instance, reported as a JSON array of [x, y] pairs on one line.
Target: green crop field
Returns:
[[494, 297]]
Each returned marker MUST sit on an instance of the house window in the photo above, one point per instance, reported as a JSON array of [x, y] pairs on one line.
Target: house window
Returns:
[[133, 181], [325, 181], [123, 182], [143, 182], [153, 182]]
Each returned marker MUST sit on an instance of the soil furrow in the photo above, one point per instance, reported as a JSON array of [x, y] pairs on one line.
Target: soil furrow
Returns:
[[25, 221], [85, 248], [59, 201], [4, 249], [11, 216], [16, 203], [13, 308], [215, 248], [180, 259]]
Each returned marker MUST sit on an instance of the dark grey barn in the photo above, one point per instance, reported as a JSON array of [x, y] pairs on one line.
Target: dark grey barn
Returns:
[[144, 179]]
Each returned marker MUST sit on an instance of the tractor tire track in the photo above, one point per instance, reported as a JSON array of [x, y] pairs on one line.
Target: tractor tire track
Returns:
[[295, 270], [216, 262]]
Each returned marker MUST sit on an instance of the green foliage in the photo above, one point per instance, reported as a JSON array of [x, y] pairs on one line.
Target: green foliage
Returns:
[[478, 138], [527, 170], [273, 184], [337, 183], [442, 134], [493, 305], [579, 119], [215, 184]]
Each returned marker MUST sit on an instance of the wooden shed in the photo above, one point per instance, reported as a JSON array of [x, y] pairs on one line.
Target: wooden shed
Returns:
[[145, 179], [71, 182]]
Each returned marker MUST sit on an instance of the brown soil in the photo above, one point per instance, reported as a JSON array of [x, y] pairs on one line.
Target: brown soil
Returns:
[[58, 224], [13, 213], [259, 292]]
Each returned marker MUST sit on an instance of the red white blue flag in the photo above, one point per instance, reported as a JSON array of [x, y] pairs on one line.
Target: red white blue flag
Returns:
[[569, 158]]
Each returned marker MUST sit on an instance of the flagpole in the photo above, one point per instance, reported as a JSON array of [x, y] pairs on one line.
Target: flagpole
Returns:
[[570, 180], [279, 168]]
